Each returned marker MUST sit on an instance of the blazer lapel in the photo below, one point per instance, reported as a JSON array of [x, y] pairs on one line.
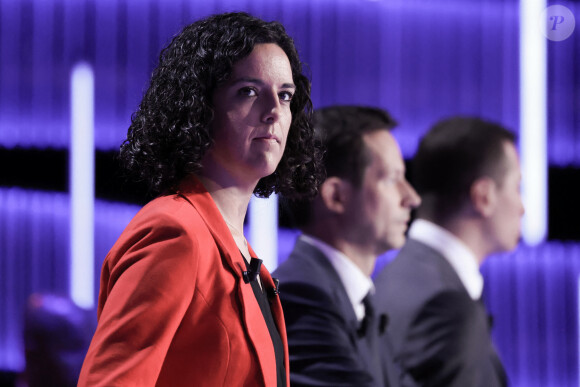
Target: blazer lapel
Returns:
[[422, 251], [493, 355], [419, 251], [194, 191], [331, 281]]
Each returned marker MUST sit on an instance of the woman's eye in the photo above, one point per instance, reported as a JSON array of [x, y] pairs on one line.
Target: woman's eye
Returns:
[[286, 96], [247, 91]]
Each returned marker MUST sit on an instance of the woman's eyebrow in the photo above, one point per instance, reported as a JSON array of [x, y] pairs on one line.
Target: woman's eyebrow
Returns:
[[260, 82]]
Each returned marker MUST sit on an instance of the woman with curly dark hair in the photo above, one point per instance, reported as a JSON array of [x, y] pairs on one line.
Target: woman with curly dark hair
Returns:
[[184, 300]]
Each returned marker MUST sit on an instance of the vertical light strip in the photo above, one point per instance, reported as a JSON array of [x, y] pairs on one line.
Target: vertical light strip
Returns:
[[81, 178], [263, 224], [578, 322], [533, 69]]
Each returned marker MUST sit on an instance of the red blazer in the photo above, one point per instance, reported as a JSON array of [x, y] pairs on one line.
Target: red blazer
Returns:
[[174, 309]]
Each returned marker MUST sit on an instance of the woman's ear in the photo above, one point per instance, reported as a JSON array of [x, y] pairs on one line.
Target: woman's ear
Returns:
[[335, 193], [483, 195]]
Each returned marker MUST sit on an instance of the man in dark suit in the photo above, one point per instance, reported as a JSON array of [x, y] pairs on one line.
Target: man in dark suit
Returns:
[[467, 173], [362, 210]]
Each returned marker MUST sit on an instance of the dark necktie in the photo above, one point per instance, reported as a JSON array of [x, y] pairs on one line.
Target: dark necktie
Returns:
[[368, 331], [494, 355], [368, 320]]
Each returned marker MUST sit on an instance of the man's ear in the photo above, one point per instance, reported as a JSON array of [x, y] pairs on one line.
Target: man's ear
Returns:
[[335, 193], [484, 196]]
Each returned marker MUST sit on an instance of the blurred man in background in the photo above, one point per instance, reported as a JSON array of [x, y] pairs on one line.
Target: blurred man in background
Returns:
[[468, 175], [362, 211]]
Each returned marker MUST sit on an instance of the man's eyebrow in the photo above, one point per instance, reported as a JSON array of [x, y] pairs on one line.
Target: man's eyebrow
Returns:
[[261, 82]]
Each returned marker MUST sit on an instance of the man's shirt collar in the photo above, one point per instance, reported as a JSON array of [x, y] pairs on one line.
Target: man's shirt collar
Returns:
[[355, 282], [459, 256]]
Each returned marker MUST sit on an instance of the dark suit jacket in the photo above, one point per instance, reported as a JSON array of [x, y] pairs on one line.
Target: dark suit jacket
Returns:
[[321, 324], [439, 334]]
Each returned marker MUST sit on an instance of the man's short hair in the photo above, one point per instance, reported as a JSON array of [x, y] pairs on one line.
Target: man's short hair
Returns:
[[451, 157], [340, 130]]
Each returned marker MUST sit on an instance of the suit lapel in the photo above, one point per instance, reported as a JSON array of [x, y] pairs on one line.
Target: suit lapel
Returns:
[[419, 251], [194, 191], [498, 365], [493, 355], [330, 280]]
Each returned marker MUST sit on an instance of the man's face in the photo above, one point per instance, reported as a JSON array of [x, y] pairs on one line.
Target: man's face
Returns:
[[380, 209], [505, 221], [252, 116]]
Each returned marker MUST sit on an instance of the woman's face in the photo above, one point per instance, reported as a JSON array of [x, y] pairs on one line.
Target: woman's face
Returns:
[[252, 117]]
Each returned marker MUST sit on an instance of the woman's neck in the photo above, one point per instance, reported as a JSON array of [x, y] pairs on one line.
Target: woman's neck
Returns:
[[232, 201]]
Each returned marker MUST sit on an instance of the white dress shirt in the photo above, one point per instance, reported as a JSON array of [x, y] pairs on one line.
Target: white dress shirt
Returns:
[[459, 256], [355, 282]]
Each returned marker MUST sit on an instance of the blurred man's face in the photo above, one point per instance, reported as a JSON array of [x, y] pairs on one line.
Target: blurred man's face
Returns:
[[381, 207], [505, 222]]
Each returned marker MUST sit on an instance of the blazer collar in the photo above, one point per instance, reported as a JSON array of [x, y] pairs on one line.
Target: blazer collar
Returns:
[[356, 284], [419, 251], [330, 280], [450, 247], [194, 191]]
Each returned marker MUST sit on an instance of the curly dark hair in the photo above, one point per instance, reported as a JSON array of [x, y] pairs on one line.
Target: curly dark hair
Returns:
[[171, 131]]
